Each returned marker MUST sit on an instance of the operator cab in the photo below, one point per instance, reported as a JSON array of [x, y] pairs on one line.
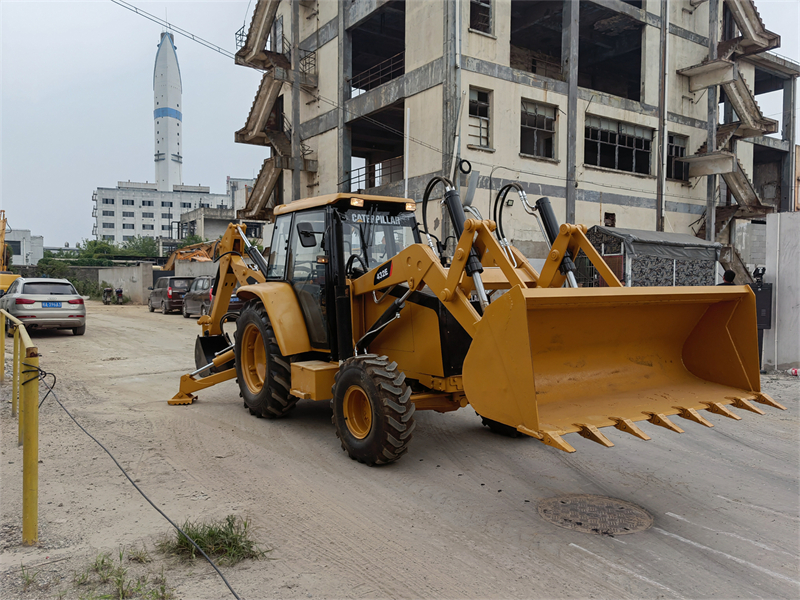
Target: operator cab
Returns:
[[305, 249]]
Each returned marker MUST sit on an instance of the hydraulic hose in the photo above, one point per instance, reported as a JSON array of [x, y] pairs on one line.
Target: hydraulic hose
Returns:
[[448, 185]]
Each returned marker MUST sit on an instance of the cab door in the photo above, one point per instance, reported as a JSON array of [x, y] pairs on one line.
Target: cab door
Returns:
[[306, 273]]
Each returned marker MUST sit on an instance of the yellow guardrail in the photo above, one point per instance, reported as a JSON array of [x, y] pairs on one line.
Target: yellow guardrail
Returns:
[[25, 406]]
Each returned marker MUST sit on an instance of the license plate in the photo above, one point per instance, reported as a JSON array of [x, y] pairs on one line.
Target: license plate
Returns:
[[51, 304]]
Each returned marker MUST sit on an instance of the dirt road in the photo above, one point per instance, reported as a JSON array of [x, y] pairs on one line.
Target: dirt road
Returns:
[[455, 518]]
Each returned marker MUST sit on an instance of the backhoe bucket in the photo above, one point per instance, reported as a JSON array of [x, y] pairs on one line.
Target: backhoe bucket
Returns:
[[556, 361]]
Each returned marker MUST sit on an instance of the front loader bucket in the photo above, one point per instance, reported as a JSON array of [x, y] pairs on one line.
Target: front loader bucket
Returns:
[[556, 361]]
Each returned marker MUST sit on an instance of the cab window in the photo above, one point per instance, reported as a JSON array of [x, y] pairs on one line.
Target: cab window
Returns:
[[279, 247]]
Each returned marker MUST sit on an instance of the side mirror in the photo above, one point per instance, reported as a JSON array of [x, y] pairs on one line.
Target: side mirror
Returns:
[[2, 293], [150, 287], [306, 233]]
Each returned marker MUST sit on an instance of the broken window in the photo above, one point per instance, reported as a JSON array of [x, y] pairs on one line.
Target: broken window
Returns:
[[479, 117], [616, 145], [536, 31], [676, 149], [480, 15], [537, 129], [610, 219]]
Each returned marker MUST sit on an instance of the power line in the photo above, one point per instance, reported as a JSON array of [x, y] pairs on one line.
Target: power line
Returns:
[[169, 26], [377, 123]]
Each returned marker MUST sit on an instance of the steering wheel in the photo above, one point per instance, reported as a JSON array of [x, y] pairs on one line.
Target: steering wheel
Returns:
[[349, 269]]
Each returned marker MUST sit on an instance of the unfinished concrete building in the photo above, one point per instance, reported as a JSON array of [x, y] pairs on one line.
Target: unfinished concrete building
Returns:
[[637, 114]]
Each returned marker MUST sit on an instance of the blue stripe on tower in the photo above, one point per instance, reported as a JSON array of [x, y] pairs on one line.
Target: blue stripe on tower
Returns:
[[167, 112]]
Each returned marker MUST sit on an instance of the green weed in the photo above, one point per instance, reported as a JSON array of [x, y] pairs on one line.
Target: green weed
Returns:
[[228, 541], [28, 577]]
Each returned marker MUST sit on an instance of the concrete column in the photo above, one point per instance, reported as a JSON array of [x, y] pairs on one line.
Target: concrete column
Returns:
[[345, 72], [297, 155], [713, 117], [570, 37], [788, 176]]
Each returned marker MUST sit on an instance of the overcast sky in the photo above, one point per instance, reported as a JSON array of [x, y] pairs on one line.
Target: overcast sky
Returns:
[[77, 102]]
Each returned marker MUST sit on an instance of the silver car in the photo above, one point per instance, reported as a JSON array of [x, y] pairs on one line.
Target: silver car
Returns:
[[45, 304]]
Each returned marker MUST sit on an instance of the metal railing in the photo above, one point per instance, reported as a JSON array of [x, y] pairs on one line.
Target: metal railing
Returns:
[[241, 38], [376, 174], [305, 150], [391, 68], [25, 406]]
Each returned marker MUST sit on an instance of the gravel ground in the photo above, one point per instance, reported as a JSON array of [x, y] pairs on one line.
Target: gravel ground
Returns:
[[455, 518]]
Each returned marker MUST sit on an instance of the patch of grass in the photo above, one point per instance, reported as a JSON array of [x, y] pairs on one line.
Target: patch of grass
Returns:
[[81, 578], [28, 577], [228, 541], [139, 556]]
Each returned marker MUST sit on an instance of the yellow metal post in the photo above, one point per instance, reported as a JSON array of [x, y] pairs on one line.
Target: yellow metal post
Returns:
[[15, 373], [30, 450], [19, 350], [3, 347]]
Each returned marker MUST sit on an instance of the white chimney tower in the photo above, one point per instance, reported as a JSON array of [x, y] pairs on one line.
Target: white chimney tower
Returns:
[[167, 115]]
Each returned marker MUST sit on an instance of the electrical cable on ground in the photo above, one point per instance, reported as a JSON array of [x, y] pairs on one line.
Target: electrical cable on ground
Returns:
[[42, 374]]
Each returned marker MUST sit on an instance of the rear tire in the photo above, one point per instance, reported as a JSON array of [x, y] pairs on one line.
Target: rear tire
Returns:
[[164, 308], [372, 410], [79, 330], [263, 372]]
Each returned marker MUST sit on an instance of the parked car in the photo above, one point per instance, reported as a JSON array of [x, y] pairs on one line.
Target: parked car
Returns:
[[198, 299], [168, 292], [45, 304]]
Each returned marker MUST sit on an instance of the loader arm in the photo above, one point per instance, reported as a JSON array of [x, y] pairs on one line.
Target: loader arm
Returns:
[[548, 360]]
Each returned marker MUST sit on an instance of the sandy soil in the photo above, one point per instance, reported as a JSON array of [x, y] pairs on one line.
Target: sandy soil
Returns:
[[455, 518]]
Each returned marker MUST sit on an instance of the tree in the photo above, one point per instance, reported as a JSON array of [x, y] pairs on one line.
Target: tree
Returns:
[[190, 240], [97, 249], [141, 246]]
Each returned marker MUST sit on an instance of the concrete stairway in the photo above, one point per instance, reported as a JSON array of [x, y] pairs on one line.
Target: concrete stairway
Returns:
[[254, 130], [260, 202], [254, 52], [741, 187], [755, 37]]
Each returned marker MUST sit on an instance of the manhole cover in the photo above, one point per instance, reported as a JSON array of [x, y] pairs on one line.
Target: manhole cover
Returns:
[[595, 514]]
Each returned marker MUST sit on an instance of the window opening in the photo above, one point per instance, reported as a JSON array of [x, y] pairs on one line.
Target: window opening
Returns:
[[480, 15], [616, 145], [537, 129], [676, 149], [479, 117]]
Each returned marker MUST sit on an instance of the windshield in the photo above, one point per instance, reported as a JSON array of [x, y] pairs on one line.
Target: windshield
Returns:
[[375, 236], [61, 289]]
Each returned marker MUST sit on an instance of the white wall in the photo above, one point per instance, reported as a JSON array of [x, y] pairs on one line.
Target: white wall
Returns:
[[782, 342], [189, 268], [134, 281]]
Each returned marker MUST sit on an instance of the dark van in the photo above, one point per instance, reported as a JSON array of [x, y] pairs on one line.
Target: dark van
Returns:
[[168, 292]]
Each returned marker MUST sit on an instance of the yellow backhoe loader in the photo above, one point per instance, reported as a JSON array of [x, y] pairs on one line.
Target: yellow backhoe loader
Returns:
[[353, 308]]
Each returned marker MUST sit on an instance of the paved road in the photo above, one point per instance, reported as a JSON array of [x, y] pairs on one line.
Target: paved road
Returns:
[[456, 517]]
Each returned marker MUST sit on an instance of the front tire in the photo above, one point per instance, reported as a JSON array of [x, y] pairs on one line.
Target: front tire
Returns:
[[372, 411], [150, 305], [263, 372], [185, 313]]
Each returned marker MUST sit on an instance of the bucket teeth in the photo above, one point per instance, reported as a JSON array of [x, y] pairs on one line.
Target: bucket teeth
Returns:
[[717, 408], [551, 438], [692, 415], [628, 426], [663, 421], [590, 432], [764, 399], [746, 405]]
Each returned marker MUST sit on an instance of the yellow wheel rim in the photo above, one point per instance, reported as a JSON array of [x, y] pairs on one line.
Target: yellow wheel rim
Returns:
[[253, 358], [357, 411]]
